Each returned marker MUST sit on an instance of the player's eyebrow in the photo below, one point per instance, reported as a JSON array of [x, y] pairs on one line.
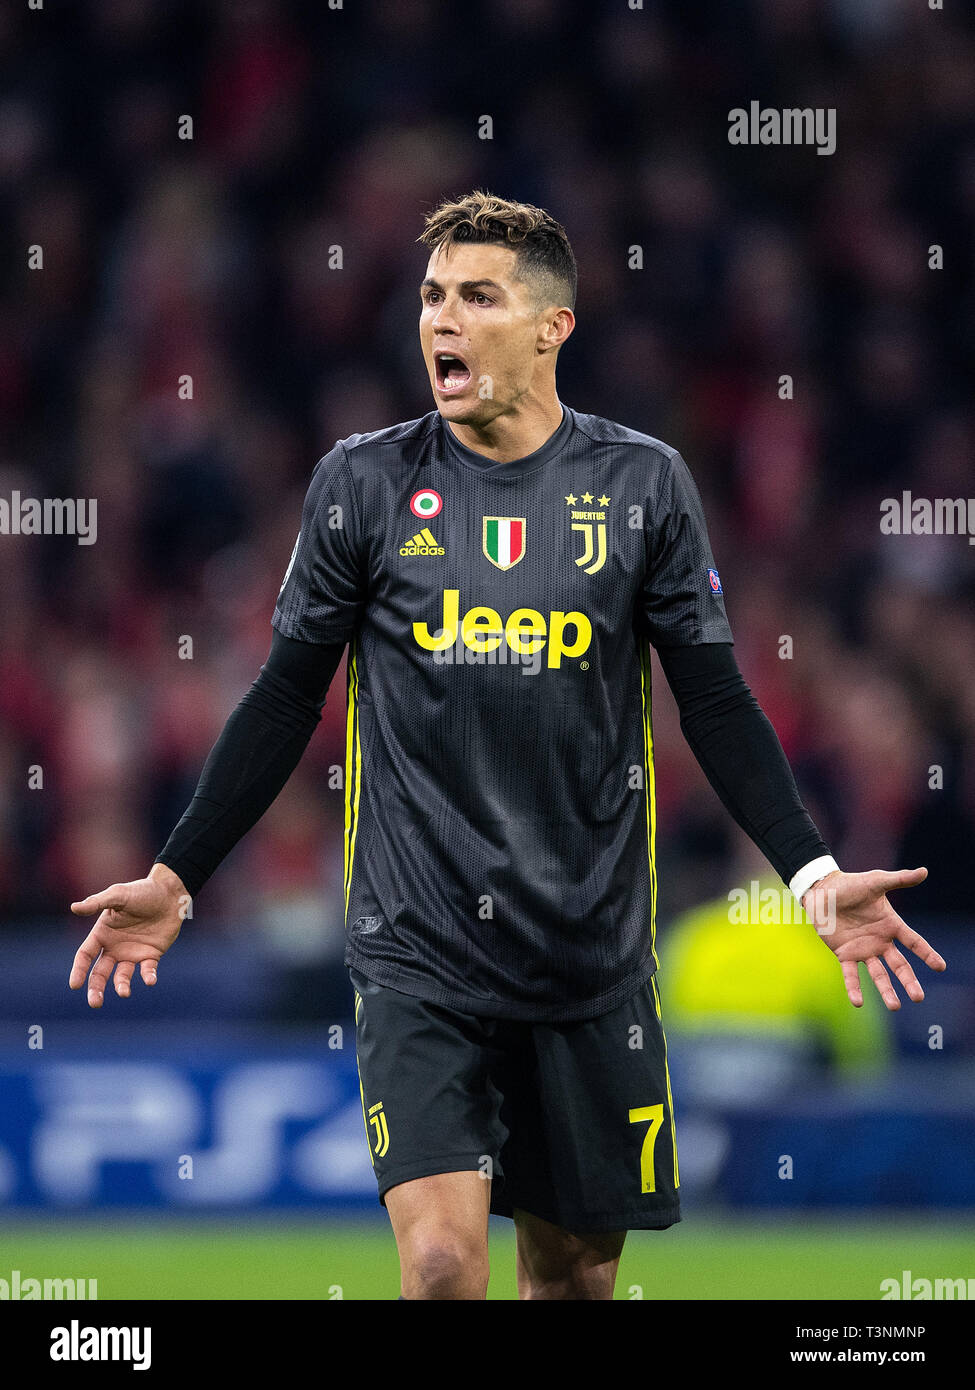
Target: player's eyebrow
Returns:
[[464, 284]]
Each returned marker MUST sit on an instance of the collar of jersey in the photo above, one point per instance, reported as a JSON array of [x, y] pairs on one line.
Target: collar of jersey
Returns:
[[471, 459]]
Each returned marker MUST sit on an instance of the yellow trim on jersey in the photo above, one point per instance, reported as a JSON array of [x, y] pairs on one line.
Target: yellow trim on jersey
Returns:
[[670, 1098], [353, 771], [650, 790], [349, 728], [365, 1122]]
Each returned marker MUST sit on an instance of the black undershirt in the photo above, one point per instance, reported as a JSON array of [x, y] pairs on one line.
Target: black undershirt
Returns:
[[740, 754], [266, 735]]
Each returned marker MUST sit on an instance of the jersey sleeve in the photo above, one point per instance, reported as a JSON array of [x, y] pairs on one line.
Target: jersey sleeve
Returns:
[[324, 589], [682, 599]]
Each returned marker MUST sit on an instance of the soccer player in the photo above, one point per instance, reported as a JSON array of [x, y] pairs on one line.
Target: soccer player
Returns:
[[498, 570]]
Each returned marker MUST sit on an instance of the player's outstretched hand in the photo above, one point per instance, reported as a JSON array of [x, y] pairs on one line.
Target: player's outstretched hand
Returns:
[[137, 923], [854, 918]]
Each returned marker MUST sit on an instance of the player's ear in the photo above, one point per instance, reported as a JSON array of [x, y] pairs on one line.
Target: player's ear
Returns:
[[555, 328]]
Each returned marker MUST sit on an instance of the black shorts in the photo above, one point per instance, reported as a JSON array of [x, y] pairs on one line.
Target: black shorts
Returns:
[[573, 1122]]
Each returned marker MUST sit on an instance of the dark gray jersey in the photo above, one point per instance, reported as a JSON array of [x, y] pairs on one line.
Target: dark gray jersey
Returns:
[[499, 808]]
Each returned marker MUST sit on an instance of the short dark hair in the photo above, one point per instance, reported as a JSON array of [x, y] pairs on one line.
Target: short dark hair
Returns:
[[545, 258]]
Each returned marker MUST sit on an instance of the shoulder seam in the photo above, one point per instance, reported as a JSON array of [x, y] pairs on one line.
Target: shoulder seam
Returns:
[[383, 443], [355, 490], [655, 446]]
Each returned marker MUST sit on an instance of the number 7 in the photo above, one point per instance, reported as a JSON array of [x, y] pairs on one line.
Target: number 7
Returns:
[[655, 1114]]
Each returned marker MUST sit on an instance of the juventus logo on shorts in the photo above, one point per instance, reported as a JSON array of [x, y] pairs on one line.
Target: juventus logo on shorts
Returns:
[[377, 1119]]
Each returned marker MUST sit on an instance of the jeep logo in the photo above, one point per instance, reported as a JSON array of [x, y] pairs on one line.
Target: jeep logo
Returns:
[[526, 631]]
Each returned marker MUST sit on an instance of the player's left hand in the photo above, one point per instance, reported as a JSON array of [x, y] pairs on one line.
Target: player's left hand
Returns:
[[855, 920]]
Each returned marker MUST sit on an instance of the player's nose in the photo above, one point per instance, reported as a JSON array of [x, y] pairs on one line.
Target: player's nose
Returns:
[[445, 320]]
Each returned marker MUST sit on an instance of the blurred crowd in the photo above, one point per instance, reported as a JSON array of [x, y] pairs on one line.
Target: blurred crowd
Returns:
[[167, 258]]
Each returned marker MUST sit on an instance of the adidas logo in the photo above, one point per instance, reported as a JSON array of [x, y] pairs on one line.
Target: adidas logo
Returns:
[[423, 543]]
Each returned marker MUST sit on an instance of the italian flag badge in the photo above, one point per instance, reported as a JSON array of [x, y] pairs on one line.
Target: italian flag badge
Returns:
[[504, 540]]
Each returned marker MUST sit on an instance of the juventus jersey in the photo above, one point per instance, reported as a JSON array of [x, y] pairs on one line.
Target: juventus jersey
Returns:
[[499, 797]]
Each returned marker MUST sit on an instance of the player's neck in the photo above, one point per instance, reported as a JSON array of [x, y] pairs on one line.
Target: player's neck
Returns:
[[515, 435]]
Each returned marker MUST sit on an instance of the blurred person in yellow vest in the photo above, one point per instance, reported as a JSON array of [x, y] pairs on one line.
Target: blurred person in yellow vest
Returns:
[[752, 1000]]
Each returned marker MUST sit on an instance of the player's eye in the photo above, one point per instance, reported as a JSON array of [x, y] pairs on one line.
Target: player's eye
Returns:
[[486, 298]]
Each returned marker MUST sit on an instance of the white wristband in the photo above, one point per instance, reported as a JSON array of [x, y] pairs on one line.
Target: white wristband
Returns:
[[811, 873]]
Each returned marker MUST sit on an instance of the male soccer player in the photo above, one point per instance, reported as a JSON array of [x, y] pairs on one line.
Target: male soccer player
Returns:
[[498, 570]]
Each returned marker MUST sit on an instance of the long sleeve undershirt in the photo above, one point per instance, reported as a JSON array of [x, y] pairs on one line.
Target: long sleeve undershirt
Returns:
[[740, 754], [261, 745]]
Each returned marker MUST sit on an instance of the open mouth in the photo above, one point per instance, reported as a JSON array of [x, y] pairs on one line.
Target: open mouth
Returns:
[[453, 373]]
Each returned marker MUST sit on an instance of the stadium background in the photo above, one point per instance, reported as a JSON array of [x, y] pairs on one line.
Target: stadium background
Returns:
[[315, 128]]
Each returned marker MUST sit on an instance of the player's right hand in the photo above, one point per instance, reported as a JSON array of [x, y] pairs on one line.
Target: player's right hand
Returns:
[[137, 923]]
